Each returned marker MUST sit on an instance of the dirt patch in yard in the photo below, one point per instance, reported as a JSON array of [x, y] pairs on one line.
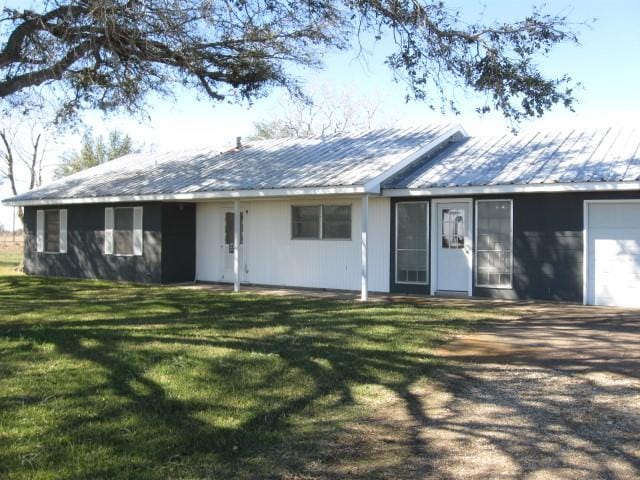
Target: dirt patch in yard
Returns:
[[555, 395]]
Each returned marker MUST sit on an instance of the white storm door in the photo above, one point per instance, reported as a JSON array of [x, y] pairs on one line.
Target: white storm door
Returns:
[[613, 253], [228, 248], [452, 244]]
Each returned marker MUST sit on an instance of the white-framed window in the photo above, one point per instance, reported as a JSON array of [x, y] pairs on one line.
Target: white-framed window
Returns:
[[51, 231], [123, 231], [412, 242], [326, 222], [494, 240]]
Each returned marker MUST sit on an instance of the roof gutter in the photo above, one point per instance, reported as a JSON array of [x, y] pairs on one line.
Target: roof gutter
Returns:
[[196, 196], [505, 189]]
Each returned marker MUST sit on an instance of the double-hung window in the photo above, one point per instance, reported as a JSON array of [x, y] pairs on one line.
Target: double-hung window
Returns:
[[494, 253], [123, 231], [51, 231], [315, 222]]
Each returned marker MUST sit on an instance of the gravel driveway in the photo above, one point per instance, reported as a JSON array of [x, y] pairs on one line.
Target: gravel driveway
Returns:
[[553, 394]]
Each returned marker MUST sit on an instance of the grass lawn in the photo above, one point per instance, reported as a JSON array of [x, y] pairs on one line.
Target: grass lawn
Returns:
[[10, 257], [106, 380]]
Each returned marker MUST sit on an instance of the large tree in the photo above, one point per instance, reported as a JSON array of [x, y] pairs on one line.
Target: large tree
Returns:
[[111, 54], [95, 150]]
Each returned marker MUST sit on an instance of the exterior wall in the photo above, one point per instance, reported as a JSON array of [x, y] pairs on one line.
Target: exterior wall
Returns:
[[273, 258], [547, 246], [178, 242], [85, 256]]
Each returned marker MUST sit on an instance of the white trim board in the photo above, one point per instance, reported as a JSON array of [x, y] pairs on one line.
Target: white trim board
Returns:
[[504, 189], [197, 196]]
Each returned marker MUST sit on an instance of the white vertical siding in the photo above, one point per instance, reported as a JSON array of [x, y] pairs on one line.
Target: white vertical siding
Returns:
[[273, 258]]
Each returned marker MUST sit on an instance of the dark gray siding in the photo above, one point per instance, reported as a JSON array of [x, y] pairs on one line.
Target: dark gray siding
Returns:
[[547, 246], [85, 257], [178, 242]]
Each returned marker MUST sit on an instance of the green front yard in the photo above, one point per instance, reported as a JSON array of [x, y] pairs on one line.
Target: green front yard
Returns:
[[105, 380]]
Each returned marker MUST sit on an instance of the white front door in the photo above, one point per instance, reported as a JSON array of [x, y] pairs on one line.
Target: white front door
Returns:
[[228, 250], [452, 246], [613, 253]]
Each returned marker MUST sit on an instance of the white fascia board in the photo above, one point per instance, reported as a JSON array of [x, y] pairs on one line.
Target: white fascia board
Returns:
[[456, 132], [196, 196], [503, 189]]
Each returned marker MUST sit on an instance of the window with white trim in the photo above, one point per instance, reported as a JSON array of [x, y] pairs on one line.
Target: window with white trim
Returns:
[[494, 252], [412, 242], [51, 231], [123, 231], [315, 222]]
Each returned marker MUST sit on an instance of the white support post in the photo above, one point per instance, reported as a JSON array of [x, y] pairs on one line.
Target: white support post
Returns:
[[236, 246], [364, 217]]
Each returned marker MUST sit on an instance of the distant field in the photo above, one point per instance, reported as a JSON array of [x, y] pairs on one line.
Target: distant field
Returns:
[[6, 237]]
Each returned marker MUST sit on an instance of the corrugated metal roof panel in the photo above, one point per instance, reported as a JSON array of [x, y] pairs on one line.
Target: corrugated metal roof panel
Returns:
[[550, 157], [336, 161]]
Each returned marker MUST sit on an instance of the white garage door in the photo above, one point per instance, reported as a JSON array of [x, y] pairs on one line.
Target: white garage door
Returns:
[[613, 251]]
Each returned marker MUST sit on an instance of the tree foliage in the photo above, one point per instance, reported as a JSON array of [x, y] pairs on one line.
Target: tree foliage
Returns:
[[95, 151], [110, 54]]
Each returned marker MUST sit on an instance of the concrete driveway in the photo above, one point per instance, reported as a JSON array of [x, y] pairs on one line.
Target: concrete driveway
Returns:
[[552, 394]]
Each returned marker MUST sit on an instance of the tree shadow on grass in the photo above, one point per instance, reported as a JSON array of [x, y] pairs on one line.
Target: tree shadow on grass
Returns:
[[189, 384]]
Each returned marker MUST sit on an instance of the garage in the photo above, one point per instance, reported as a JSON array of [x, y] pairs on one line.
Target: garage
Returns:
[[613, 253]]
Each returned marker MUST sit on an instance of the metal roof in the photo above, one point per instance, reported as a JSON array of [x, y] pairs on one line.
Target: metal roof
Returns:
[[337, 161], [536, 158], [434, 160]]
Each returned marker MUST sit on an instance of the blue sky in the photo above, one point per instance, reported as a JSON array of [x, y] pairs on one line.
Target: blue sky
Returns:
[[605, 63]]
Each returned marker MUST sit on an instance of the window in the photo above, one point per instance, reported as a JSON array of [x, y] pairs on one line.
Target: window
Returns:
[[305, 222], [52, 231], [229, 227], [123, 231], [494, 255], [411, 242], [452, 228], [328, 222], [336, 222]]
